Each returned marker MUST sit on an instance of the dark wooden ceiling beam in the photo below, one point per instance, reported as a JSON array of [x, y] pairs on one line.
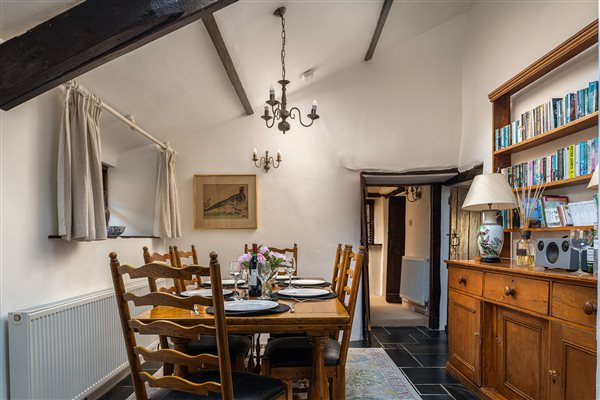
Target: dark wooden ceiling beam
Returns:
[[385, 10], [215, 34], [85, 37]]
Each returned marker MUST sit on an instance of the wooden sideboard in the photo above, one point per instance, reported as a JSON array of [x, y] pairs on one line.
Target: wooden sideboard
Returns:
[[518, 334]]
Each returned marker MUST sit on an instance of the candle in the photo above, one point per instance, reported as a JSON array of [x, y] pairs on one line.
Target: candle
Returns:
[[266, 110], [255, 151], [314, 107]]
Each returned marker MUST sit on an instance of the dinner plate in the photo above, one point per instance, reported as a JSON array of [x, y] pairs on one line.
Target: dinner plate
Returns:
[[285, 277], [225, 282], [308, 282], [250, 305], [203, 292], [303, 292]]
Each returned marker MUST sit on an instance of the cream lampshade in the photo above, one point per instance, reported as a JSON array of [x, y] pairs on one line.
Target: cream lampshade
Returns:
[[594, 180], [490, 193]]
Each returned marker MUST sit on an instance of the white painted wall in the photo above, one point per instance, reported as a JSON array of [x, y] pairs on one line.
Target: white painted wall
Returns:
[[377, 114], [494, 52], [417, 243], [34, 269]]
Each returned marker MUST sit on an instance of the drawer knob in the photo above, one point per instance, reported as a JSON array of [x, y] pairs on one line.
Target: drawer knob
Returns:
[[589, 308], [509, 291], [462, 280]]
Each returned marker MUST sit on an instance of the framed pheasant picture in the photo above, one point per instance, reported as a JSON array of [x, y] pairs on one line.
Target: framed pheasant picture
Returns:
[[225, 201]]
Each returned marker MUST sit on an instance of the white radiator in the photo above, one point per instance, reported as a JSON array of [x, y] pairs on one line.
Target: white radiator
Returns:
[[414, 280], [68, 349]]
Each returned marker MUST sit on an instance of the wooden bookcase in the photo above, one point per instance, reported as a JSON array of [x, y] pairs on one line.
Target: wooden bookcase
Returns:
[[510, 330], [501, 102]]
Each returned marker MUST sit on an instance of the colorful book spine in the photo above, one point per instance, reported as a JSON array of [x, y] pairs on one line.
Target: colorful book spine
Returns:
[[592, 97]]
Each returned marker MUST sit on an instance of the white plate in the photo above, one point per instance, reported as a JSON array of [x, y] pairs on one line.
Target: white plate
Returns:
[[285, 277], [250, 305], [225, 282], [303, 292], [308, 282], [203, 292]]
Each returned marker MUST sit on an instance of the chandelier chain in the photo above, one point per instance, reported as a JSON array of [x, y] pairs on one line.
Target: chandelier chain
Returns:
[[282, 47]]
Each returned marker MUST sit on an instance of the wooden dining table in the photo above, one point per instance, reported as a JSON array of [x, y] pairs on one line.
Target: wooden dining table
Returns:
[[316, 319]]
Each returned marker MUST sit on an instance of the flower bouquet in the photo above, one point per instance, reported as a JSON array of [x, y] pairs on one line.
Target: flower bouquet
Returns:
[[272, 259]]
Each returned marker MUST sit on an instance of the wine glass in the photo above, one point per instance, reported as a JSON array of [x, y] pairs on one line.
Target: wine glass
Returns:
[[264, 273], [244, 280], [581, 239], [235, 271], [290, 267]]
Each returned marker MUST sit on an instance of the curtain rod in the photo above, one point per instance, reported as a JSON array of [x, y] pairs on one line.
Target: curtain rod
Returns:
[[122, 118]]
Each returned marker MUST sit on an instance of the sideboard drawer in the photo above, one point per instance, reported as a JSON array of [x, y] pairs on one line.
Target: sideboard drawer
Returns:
[[465, 280], [529, 294], [574, 303]]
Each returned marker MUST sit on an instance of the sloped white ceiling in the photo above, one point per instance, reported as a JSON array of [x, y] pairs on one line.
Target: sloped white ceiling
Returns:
[[177, 84]]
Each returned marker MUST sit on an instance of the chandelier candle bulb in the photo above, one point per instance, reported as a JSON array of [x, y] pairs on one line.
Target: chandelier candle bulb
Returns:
[[313, 108], [271, 93]]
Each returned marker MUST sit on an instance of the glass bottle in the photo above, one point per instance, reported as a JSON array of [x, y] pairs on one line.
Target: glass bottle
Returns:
[[525, 251]]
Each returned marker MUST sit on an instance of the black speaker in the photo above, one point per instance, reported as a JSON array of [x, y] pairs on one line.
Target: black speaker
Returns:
[[557, 253]]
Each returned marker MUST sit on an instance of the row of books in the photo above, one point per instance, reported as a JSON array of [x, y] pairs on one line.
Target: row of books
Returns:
[[554, 211], [553, 114], [569, 162]]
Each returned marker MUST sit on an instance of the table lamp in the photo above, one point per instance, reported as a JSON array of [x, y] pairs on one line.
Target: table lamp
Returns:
[[490, 193]]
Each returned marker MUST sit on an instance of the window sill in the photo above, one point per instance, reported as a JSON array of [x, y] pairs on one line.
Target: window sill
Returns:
[[116, 237]]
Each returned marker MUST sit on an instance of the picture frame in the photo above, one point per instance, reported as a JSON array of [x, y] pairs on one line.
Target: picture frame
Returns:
[[225, 202]]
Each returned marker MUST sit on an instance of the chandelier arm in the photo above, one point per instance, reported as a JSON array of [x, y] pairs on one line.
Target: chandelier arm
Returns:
[[300, 117], [276, 111], [272, 123]]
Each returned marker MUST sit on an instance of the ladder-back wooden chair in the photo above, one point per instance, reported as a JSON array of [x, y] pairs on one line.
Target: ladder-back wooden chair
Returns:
[[338, 268], [218, 382], [239, 345], [293, 251], [167, 257], [290, 358], [184, 258]]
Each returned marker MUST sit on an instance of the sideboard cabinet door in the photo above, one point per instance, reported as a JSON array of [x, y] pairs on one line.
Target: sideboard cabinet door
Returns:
[[522, 362], [464, 341], [572, 363]]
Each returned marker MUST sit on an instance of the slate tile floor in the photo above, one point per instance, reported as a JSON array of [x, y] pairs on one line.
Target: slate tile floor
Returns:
[[420, 352], [422, 355]]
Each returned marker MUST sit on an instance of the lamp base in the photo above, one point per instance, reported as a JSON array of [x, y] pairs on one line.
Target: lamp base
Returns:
[[490, 259], [490, 238]]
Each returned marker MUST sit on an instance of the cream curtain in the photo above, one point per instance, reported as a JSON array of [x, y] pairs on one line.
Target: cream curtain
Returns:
[[167, 222], [79, 172]]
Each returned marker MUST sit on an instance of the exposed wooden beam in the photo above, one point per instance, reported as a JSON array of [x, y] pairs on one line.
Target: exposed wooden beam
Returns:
[[465, 176], [374, 195], [394, 192], [215, 34], [85, 37], [385, 10]]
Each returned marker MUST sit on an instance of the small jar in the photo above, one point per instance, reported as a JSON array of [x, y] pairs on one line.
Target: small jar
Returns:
[[525, 251]]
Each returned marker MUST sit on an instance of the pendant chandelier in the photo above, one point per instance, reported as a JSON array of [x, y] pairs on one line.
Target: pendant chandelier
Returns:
[[278, 109]]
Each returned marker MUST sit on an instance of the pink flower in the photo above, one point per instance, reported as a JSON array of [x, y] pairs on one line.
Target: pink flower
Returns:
[[261, 258], [263, 249], [244, 257]]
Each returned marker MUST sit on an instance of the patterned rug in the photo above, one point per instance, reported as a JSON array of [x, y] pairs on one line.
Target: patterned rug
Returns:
[[370, 375]]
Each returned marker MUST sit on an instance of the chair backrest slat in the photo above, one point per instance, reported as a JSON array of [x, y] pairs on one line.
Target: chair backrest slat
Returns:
[[176, 383], [191, 258], [149, 258], [167, 299], [167, 328], [159, 270], [176, 357]]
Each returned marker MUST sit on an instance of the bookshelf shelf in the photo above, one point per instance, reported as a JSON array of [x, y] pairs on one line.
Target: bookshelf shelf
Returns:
[[552, 229], [578, 180], [554, 134]]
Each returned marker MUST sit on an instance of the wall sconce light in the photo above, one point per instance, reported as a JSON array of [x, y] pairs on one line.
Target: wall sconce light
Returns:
[[413, 193], [266, 162]]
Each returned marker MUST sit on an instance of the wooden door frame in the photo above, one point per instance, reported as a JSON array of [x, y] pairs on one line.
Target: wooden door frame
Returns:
[[435, 251]]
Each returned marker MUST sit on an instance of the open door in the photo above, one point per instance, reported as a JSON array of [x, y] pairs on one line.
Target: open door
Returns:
[[396, 246]]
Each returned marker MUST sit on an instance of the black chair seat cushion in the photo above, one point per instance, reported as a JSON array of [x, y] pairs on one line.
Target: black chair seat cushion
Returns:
[[238, 344], [297, 352], [246, 386]]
